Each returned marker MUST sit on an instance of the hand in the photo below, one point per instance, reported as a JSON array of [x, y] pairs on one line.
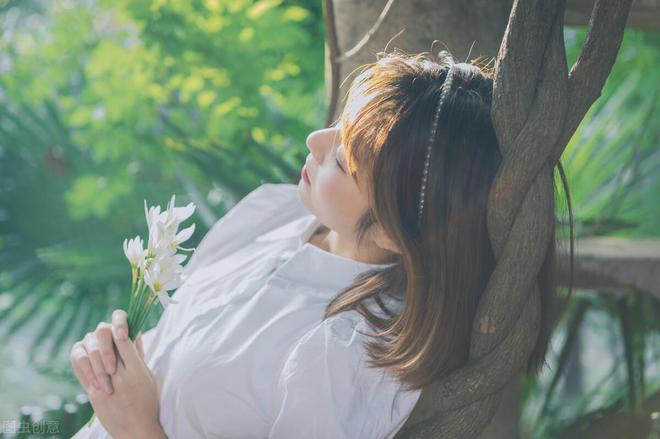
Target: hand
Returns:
[[94, 357], [131, 408]]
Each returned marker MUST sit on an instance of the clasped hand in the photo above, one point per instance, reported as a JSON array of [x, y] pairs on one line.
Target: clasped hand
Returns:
[[121, 388]]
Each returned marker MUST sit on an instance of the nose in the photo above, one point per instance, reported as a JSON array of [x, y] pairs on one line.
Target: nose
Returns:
[[320, 142]]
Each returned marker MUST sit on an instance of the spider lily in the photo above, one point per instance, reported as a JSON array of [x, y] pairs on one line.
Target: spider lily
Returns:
[[157, 268], [163, 226], [163, 275], [134, 252], [161, 269]]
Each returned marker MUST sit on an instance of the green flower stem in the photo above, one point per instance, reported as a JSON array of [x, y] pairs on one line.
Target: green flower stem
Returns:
[[135, 313]]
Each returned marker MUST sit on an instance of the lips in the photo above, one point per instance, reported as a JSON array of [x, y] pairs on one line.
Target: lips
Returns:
[[304, 173]]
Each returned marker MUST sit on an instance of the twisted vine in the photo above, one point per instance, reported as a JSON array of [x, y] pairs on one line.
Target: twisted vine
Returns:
[[537, 105]]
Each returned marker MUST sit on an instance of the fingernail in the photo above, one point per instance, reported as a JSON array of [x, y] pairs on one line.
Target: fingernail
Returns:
[[109, 368]]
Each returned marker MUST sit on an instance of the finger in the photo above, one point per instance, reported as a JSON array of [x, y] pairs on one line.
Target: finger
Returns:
[[128, 353], [94, 352], [81, 363], [106, 346], [139, 345], [121, 367], [120, 324], [80, 375]]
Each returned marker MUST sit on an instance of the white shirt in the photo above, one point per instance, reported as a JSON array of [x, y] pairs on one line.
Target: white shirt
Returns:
[[245, 353]]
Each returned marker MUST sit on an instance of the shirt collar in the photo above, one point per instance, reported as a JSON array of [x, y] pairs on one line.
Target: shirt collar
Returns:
[[310, 264]]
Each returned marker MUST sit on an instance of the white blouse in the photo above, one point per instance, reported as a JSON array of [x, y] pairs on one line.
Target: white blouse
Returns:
[[245, 353]]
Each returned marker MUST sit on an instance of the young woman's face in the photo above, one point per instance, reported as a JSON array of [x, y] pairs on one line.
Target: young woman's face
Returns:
[[331, 193], [335, 198]]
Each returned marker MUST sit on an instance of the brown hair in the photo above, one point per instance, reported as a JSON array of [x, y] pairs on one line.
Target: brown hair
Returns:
[[445, 264]]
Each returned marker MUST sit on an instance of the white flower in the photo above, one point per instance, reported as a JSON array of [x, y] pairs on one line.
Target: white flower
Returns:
[[160, 263], [163, 237], [176, 215], [165, 274], [134, 251]]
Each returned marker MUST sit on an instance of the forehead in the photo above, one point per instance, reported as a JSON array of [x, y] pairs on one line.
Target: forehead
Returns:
[[358, 98], [361, 93]]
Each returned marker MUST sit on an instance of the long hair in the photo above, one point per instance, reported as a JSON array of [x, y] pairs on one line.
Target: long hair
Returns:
[[445, 263]]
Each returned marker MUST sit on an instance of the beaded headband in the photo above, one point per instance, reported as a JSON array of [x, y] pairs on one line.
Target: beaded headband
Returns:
[[446, 86]]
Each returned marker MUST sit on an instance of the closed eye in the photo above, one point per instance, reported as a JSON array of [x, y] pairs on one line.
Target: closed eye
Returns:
[[338, 163]]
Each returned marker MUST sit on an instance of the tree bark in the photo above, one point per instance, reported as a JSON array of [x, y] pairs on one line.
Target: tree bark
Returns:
[[644, 14]]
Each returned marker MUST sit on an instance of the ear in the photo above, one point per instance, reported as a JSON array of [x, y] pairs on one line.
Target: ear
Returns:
[[383, 241]]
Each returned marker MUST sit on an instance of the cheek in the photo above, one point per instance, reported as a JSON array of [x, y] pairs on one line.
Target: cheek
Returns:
[[331, 190], [338, 201]]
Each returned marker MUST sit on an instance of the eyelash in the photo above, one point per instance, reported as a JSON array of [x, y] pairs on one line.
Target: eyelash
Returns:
[[337, 162]]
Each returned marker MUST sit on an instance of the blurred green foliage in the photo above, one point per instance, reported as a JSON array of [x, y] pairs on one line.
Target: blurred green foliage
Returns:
[[612, 161]]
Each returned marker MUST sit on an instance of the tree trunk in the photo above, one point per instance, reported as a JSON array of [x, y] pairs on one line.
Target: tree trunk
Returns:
[[505, 422]]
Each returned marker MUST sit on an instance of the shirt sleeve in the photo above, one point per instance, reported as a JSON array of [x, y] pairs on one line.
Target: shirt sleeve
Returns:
[[326, 390]]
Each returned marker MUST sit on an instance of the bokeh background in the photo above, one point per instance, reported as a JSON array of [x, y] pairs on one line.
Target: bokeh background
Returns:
[[105, 104]]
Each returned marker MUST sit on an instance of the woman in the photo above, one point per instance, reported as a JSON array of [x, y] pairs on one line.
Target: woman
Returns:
[[273, 335]]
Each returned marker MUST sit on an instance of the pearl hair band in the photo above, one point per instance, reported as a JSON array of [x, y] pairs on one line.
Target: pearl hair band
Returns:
[[446, 86]]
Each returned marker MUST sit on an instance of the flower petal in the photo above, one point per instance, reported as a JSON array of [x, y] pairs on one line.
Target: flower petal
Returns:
[[185, 234], [163, 298], [183, 213]]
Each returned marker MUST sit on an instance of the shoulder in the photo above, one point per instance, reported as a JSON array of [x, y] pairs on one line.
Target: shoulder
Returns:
[[262, 209]]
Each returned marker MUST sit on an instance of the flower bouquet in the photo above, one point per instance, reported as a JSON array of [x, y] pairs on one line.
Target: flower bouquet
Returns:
[[156, 269]]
